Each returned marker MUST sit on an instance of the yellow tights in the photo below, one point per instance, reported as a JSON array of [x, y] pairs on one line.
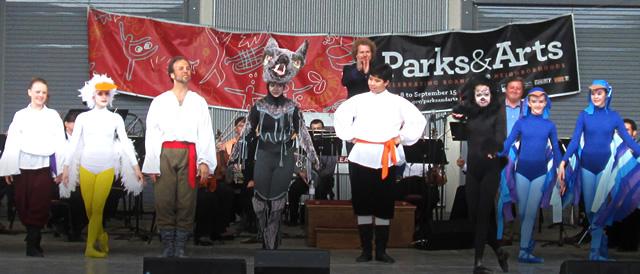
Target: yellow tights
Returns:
[[95, 189]]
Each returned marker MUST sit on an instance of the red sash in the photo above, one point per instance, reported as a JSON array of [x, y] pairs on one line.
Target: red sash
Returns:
[[191, 161], [389, 150]]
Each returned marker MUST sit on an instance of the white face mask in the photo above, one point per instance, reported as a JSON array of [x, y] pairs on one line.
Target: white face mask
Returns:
[[482, 95]]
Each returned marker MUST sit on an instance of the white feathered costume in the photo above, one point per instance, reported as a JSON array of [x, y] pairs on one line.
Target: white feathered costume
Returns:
[[108, 145]]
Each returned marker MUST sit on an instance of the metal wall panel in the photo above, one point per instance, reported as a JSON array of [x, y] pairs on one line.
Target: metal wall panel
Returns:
[[49, 39], [343, 17], [607, 39]]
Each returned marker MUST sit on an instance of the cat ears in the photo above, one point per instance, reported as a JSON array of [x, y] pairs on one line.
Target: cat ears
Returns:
[[302, 50]]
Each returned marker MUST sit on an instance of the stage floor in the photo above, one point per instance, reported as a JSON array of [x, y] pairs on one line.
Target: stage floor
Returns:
[[127, 251]]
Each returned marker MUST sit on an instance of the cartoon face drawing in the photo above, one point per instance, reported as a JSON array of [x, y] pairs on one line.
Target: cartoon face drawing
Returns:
[[135, 50]]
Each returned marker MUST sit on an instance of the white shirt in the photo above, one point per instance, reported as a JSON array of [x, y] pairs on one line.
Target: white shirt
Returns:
[[377, 118], [97, 130], [33, 136], [167, 120]]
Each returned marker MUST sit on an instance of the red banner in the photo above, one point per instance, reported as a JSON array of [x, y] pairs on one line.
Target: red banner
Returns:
[[227, 67]]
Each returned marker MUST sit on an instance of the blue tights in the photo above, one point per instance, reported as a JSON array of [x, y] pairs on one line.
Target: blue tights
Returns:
[[529, 195], [599, 249]]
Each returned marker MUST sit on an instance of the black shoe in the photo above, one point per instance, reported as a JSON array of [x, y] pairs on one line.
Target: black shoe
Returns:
[[481, 269], [382, 237], [33, 249], [33, 252], [385, 258], [364, 257], [503, 260], [202, 242]]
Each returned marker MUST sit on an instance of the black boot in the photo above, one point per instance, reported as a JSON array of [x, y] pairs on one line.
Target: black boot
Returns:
[[181, 241], [38, 239], [32, 242], [366, 236], [168, 238], [503, 259], [382, 237]]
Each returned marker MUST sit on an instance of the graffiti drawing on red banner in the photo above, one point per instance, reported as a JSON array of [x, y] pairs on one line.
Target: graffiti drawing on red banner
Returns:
[[227, 67]]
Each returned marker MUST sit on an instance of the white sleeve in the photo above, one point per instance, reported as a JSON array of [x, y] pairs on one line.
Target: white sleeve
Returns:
[[60, 140], [152, 142], [206, 144], [413, 123], [343, 119], [9, 163]]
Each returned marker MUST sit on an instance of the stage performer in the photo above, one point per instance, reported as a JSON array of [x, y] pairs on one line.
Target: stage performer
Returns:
[[274, 127], [602, 161], [179, 136], [99, 149], [531, 178], [34, 139], [376, 122], [486, 126]]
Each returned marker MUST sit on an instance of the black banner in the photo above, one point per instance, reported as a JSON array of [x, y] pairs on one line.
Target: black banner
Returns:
[[431, 71]]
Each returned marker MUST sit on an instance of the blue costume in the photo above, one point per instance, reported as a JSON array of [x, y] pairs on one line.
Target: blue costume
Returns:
[[600, 168], [532, 177]]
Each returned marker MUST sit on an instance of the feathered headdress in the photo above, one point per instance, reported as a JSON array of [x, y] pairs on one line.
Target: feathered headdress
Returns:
[[97, 82]]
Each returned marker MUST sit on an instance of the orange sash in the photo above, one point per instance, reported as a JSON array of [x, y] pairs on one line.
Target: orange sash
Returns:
[[389, 150]]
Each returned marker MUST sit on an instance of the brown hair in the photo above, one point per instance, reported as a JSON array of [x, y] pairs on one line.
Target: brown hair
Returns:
[[363, 42], [173, 61], [37, 79]]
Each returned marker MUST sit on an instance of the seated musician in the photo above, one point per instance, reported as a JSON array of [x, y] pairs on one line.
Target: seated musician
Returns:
[[217, 202], [323, 180]]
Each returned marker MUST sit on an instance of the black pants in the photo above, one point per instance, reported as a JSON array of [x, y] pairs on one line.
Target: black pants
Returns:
[[481, 187], [370, 194]]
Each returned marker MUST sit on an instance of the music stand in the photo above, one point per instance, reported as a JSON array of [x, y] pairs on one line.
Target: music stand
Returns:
[[123, 112], [326, 143], [459, 131], [426, 151]]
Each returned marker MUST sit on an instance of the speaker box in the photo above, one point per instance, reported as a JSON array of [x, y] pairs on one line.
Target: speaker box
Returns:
[[596, 267], [292, 262], [153, 265]]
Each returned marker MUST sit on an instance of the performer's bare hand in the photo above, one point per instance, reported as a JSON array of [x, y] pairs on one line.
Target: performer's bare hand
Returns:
[[153, 177], [65, 176], [561, 172], [563, 187], [203, 170], [251, 184], [139, 175], [396, 140], [360, 65], [58, 179], [460, 162], [365, 66], [8, 179]]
